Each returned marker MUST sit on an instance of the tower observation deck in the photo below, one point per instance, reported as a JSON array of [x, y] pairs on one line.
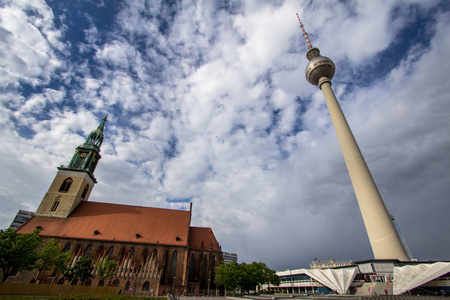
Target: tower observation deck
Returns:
[[384, 239]]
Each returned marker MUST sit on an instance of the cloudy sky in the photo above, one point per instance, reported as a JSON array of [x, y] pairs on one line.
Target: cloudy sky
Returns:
[[207, 103]]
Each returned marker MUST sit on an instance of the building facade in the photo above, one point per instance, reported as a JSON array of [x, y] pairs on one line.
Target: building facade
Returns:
[[21, 217], [157, 250], [329, 263], [229, 257], [369, 278]]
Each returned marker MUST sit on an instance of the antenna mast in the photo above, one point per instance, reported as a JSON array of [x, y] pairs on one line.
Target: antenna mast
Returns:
[[304, 32]]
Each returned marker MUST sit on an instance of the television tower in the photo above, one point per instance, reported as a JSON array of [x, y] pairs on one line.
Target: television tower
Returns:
[[384, 239]]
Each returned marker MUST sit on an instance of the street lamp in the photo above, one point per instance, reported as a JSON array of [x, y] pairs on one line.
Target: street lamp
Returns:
[[209, 285], [173, 285]]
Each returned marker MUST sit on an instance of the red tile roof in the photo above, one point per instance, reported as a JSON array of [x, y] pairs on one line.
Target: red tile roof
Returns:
[[202, 238], [116, 222]]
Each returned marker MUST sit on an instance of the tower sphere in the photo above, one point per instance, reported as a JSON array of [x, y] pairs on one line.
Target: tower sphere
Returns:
[[318, 66]]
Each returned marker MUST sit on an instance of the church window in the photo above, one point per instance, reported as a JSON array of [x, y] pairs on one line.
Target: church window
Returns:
[[110, 252], [144, 254], [101, 283], [173, 264], [65, 186], [83, 194], [127, 286], [191, 269], [146, 286], [155, 253], [55, 204], [66, 248], [213, 263], [205, 268], [115, 283], [88, 250], [131, 252]]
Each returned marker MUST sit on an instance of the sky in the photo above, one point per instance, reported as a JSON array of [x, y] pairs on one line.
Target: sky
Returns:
[[208, 104]]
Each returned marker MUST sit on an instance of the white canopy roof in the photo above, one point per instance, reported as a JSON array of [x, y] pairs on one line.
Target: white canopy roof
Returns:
[[338, 280], [408, 277]]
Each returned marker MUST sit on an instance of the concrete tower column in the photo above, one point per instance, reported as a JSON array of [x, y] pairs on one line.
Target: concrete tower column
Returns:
[[384, 239]]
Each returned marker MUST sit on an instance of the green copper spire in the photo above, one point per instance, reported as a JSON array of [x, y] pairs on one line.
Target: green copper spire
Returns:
[[86, 156], [95, 138]]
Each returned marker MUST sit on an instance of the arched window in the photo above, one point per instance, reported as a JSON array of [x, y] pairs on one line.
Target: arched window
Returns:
[[173, 264], [83, 194], [191, 269], [146, 286], [66, 248], [205, 268], [131, 252], [115, 283], [110, 252], [101, 283], [55, 204], [88, 250], [127, 286], [65, 186], [155, 253]]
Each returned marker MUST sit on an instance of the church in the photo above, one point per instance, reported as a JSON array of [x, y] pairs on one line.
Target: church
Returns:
[[157, 250]]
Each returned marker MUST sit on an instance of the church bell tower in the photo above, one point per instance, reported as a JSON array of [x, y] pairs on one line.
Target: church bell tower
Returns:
[[74, 183]]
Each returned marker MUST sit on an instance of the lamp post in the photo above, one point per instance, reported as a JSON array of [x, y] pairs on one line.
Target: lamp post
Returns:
[[173, 285], [209, 285]]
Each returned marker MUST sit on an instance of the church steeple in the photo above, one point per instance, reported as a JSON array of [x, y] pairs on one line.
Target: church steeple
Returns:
[[95, 138], [87, 155], [74, 183]]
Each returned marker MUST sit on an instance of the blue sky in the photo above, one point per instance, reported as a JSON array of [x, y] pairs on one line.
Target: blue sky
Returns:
[[207, 103]]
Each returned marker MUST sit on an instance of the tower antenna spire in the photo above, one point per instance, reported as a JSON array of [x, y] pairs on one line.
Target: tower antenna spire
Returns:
[[304, 32]]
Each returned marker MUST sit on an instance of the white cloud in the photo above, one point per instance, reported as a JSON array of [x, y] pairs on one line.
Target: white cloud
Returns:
[[211, 110]]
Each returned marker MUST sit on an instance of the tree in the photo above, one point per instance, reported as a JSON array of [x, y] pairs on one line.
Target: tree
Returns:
[[50, 256], [246, 277], [229, 275], [18, 252], [106, 268], [82, 270]]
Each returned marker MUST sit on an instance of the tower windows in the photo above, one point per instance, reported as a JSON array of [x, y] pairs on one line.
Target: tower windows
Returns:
[[65, 186], [55, 204], [83, 194]]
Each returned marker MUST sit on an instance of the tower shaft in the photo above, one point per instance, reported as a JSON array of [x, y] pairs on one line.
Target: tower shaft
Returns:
[[384, 239]]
